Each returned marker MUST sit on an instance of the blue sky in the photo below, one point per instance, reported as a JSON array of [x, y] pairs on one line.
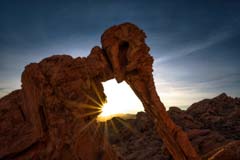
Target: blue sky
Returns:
[[195, 43]]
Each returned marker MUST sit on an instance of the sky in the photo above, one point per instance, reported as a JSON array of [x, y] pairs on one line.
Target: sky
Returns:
[[195, 44]]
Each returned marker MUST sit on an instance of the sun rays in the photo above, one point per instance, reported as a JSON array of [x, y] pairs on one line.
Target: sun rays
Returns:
[[120, 100], [98, 120]]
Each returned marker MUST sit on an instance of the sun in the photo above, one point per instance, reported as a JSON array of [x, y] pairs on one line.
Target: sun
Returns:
[[120, 100]]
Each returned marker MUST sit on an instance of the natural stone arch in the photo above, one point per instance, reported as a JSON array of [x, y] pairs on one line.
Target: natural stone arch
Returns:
[[58, 95], [127, 42]]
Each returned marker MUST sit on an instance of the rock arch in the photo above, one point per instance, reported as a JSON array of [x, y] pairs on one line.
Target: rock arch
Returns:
[[55, 107], [137, 72]]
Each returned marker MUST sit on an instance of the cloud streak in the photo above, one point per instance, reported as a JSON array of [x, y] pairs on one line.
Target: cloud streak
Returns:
[[193, 48], [184, 93]]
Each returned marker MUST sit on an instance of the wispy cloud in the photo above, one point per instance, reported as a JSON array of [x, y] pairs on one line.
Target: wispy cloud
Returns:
[[184, 93], [191, 49]]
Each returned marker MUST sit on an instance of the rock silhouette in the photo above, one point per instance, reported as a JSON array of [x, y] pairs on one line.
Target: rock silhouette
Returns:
[[54, 115]]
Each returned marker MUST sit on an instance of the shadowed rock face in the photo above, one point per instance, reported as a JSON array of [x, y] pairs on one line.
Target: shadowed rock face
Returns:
[[54, 115]]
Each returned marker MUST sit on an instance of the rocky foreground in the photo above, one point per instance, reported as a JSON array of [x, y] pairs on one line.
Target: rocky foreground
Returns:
[[212, 125]]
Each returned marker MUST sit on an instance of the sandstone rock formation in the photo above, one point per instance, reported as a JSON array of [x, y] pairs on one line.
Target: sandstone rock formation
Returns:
[[210, 139], [54, 115], [129, 55]]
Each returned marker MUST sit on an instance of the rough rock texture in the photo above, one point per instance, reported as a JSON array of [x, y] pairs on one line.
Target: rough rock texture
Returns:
[[54, 115], [129, 55], [210, 140], [221, 114]]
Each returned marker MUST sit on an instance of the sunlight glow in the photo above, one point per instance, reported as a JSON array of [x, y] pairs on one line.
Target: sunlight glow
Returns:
[[120, 99]]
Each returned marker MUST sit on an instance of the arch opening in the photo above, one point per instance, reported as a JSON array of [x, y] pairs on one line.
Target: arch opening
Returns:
[[121, 101]]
